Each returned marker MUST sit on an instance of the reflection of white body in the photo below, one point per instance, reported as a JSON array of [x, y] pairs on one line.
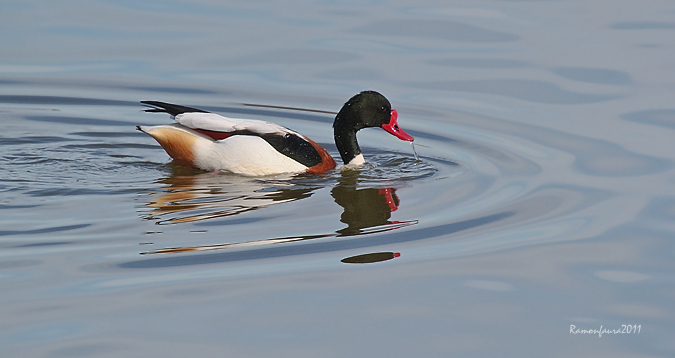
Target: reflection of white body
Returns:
[[202, 197]]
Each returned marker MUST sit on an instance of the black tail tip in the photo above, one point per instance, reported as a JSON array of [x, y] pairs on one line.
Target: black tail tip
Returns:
[[153, 106]]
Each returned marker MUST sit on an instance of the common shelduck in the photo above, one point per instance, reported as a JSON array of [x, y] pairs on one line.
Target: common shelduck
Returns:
[[211, 142]]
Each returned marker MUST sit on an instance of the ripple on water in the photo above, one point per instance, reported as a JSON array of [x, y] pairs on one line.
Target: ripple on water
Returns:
[[464, 180], [393, 169]]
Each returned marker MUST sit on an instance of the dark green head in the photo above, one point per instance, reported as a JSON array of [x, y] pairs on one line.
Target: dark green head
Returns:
[[366, 109]]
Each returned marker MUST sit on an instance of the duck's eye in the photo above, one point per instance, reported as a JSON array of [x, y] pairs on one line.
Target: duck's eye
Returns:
[[384, 109]]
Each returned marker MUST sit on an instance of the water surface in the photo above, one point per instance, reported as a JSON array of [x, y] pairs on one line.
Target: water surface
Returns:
[[542, 197]]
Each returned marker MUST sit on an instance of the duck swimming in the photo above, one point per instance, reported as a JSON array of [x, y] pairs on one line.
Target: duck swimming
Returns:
[[209, 141]]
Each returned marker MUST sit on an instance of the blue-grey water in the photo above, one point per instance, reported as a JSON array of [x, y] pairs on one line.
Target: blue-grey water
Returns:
[[539, 220]]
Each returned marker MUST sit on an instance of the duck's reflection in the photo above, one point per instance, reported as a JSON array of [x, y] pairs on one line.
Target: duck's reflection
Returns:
[[189, 196], [366, 210], [370, 258]]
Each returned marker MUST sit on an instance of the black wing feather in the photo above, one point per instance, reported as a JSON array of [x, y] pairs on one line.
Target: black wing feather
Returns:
[[294, 147], [172, 109]]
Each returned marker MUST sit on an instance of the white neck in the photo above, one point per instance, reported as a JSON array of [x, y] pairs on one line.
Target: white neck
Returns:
[[356, 161]]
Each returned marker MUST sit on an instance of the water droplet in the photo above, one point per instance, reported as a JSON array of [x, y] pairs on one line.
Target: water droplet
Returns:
[[417, 158]]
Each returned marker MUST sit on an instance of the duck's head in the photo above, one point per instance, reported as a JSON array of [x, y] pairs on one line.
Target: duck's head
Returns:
[[366, 109], [369, 109]]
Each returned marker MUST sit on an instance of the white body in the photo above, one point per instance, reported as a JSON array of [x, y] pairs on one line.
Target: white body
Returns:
[[241, 154]]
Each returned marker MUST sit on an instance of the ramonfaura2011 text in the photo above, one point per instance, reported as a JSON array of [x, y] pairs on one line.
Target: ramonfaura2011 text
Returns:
[[625, 329]]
